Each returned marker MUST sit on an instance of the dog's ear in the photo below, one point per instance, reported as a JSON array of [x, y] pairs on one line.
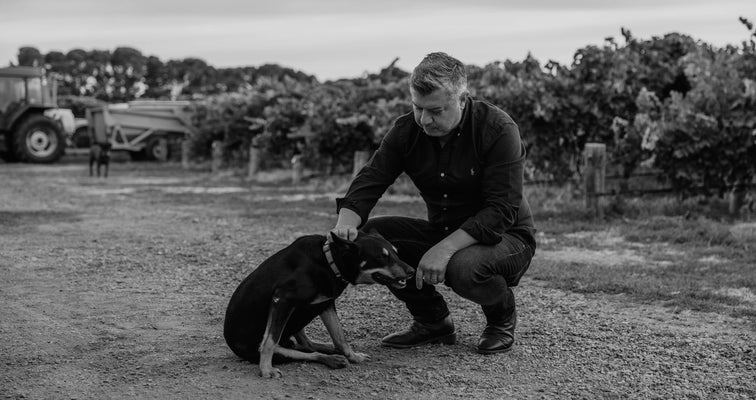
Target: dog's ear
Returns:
[[342, 244], [338, 239]]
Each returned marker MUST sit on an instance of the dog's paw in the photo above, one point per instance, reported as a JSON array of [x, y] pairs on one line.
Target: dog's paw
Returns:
[[358, 357], [271, 373], [335, 361]]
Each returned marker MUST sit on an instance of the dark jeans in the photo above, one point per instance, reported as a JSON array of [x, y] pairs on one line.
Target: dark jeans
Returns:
[[480, 273]]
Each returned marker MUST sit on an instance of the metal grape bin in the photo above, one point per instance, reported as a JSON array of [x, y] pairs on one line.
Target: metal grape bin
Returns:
[[144, 128]]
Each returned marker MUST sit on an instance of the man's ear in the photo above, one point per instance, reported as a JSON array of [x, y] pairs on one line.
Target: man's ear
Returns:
[[463, 99]]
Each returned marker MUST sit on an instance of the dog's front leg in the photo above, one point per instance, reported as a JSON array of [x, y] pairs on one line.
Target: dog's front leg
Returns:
[[333, 325], [305, 344], [280, 311]]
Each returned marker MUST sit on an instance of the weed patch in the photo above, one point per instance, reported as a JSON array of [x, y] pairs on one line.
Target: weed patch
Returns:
[[694, 264]]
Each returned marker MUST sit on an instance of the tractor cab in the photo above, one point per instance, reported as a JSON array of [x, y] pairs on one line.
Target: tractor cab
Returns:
[[31, 125]]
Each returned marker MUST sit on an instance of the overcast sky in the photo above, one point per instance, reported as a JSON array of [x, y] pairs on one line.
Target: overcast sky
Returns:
[[345, 38]]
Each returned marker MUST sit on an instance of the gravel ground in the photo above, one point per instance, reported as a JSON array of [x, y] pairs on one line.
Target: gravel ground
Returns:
[[117, 288]]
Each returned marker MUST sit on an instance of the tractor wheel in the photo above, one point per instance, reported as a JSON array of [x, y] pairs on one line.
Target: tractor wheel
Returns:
[[156, 148], [39, 140]]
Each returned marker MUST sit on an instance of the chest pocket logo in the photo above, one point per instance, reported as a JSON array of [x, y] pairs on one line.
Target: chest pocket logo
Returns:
[[472, 171]]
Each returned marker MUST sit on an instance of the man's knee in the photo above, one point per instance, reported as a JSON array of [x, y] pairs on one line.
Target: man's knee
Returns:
[[467, 276], [377, 223], [477, 275]]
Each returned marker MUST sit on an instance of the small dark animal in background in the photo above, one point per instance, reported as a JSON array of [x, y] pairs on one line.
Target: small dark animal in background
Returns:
[[99, 153], [289, 289]]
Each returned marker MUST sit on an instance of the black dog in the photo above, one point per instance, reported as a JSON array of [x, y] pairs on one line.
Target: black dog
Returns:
[[99, 153], [289, 289]]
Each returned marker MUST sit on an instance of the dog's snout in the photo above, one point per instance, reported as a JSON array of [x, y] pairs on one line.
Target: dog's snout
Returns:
[[407, 270]]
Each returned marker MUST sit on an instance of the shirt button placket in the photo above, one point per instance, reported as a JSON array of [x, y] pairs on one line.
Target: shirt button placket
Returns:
[[445, 208]]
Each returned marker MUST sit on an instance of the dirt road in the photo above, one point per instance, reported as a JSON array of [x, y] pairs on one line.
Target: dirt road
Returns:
[[117, 288]]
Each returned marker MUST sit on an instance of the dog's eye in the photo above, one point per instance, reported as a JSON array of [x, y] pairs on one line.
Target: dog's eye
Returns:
[[385, 252], [395, 249], [362, 264]]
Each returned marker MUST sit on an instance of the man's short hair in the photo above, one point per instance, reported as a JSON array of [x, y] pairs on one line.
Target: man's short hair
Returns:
[[439, 71]]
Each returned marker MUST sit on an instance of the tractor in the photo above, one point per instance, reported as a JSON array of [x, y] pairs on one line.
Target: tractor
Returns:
[[32, 127]]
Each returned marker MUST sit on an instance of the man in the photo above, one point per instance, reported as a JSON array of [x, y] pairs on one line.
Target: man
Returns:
[[466, 158]]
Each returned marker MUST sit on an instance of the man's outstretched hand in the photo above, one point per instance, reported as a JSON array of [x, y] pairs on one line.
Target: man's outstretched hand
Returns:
[[432, 267]]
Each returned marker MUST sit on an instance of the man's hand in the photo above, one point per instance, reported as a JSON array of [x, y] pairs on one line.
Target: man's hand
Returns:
[[346, 225], [432, 267], [344, 232]]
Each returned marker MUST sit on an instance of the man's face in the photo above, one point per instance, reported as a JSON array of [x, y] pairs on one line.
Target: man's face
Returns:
[[437, 113]]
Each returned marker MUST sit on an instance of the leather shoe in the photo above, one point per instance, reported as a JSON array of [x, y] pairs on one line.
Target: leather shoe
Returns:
[[499, 334], [420, 333]]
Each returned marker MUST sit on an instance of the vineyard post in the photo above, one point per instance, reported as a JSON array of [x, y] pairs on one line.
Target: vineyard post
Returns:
[[737, 198], [254, 162], [361, 158], [185, 148], [297, 169], [328, 165], [594, 160], [217, 151]]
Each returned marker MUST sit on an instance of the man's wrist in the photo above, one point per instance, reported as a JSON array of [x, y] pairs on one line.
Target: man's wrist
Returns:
[[457, 241], [348, 219]]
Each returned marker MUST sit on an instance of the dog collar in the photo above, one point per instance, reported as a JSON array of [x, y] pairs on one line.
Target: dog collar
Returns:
[[331, 263]]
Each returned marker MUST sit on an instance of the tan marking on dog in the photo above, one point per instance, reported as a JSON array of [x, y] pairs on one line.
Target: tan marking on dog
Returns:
[[320, 299]]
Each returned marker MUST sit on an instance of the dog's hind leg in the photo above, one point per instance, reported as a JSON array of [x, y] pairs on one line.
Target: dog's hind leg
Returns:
[[280, 311], [305, 344], [332, 324]]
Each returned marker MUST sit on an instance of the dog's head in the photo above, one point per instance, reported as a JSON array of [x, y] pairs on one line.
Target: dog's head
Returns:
[[372, 259]]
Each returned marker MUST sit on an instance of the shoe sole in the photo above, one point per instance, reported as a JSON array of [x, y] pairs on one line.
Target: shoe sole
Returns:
[[497, 351], [446, 339]]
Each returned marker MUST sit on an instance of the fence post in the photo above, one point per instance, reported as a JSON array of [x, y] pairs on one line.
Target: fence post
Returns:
[[217, 151], [594, 159], [185, 148], [737, 198], [297, 169], [360, 159], [254, 162]]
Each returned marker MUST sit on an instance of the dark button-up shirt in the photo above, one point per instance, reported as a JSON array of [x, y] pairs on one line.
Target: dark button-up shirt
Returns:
[[473, 182]]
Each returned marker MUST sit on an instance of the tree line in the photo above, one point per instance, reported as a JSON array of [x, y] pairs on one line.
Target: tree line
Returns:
[[674, 103]]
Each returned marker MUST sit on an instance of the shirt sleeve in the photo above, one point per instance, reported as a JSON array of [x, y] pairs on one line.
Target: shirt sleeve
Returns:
[[375, 177], [502, 185]]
